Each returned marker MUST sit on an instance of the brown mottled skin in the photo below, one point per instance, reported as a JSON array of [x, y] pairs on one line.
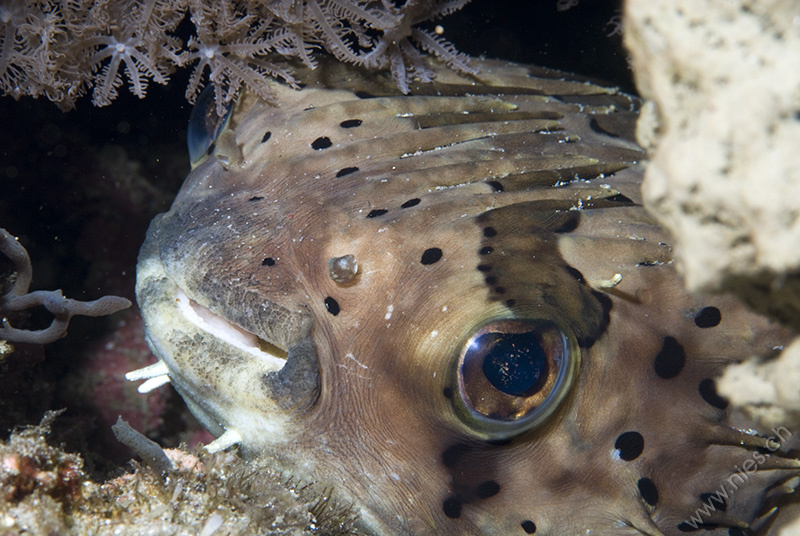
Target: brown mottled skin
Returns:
[[532, 198]]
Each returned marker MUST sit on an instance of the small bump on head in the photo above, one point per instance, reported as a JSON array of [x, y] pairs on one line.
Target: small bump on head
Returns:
[[528, 526], [343, 270], [630, 445]]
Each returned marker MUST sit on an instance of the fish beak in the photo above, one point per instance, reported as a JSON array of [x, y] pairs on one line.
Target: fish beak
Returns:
[[271, 355], [243, 388]]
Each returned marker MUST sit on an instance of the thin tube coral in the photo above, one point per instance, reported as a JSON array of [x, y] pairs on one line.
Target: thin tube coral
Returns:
[[18, 298]]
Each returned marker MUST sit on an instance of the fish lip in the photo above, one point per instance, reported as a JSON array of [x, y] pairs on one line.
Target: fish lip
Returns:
[[217, 326]]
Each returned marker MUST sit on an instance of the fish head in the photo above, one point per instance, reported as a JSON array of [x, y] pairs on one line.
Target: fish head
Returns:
[[451, 308]]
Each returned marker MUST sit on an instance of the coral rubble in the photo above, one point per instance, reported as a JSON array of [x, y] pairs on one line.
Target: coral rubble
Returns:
[[721, 124], [44, 491]]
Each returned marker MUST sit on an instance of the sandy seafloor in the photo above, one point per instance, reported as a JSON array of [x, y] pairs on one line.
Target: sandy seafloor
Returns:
[[79, 189]]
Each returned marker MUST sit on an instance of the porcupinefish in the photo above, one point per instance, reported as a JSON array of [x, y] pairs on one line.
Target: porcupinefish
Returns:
[[451, 308]]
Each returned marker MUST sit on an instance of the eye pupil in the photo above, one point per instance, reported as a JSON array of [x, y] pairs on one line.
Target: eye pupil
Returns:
[[516, 364], [511, 375]]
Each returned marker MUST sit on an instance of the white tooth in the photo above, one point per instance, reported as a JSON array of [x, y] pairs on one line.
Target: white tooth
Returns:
[[153, 383], [151, 371], [228, 439]]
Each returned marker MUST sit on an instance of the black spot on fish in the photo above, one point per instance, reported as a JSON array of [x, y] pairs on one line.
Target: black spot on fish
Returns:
[[269, 261], [489, 232], [491, 280], [594, 125], [410, 203], [431, 255], [377, 212], [350, 123], [574, 272], [452, 507], [708, 390], [211, 148], [511, 303], [648, 491], [622, 199], [453, 454], [332, 306], [323, 142], [606, 303], [630, 445], [485, 250], [569, 224], [447, 392], [364, 95], [713, 499], [695, 527], [670, 359], [487, 489], [708, 317], [267, 135], [346, 171], [496, 186], [528, 526], [500, 290], [484, 268], [256, 198]]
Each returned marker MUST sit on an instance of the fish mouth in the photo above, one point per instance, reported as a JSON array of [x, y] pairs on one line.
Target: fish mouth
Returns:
[[271, 355]]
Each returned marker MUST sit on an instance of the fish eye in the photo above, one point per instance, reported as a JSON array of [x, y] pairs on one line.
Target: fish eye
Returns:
[[512, 374], [204, 125]]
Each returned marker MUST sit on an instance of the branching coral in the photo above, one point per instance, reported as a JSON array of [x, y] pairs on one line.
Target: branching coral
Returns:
[[61, 49], [18, 298]]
